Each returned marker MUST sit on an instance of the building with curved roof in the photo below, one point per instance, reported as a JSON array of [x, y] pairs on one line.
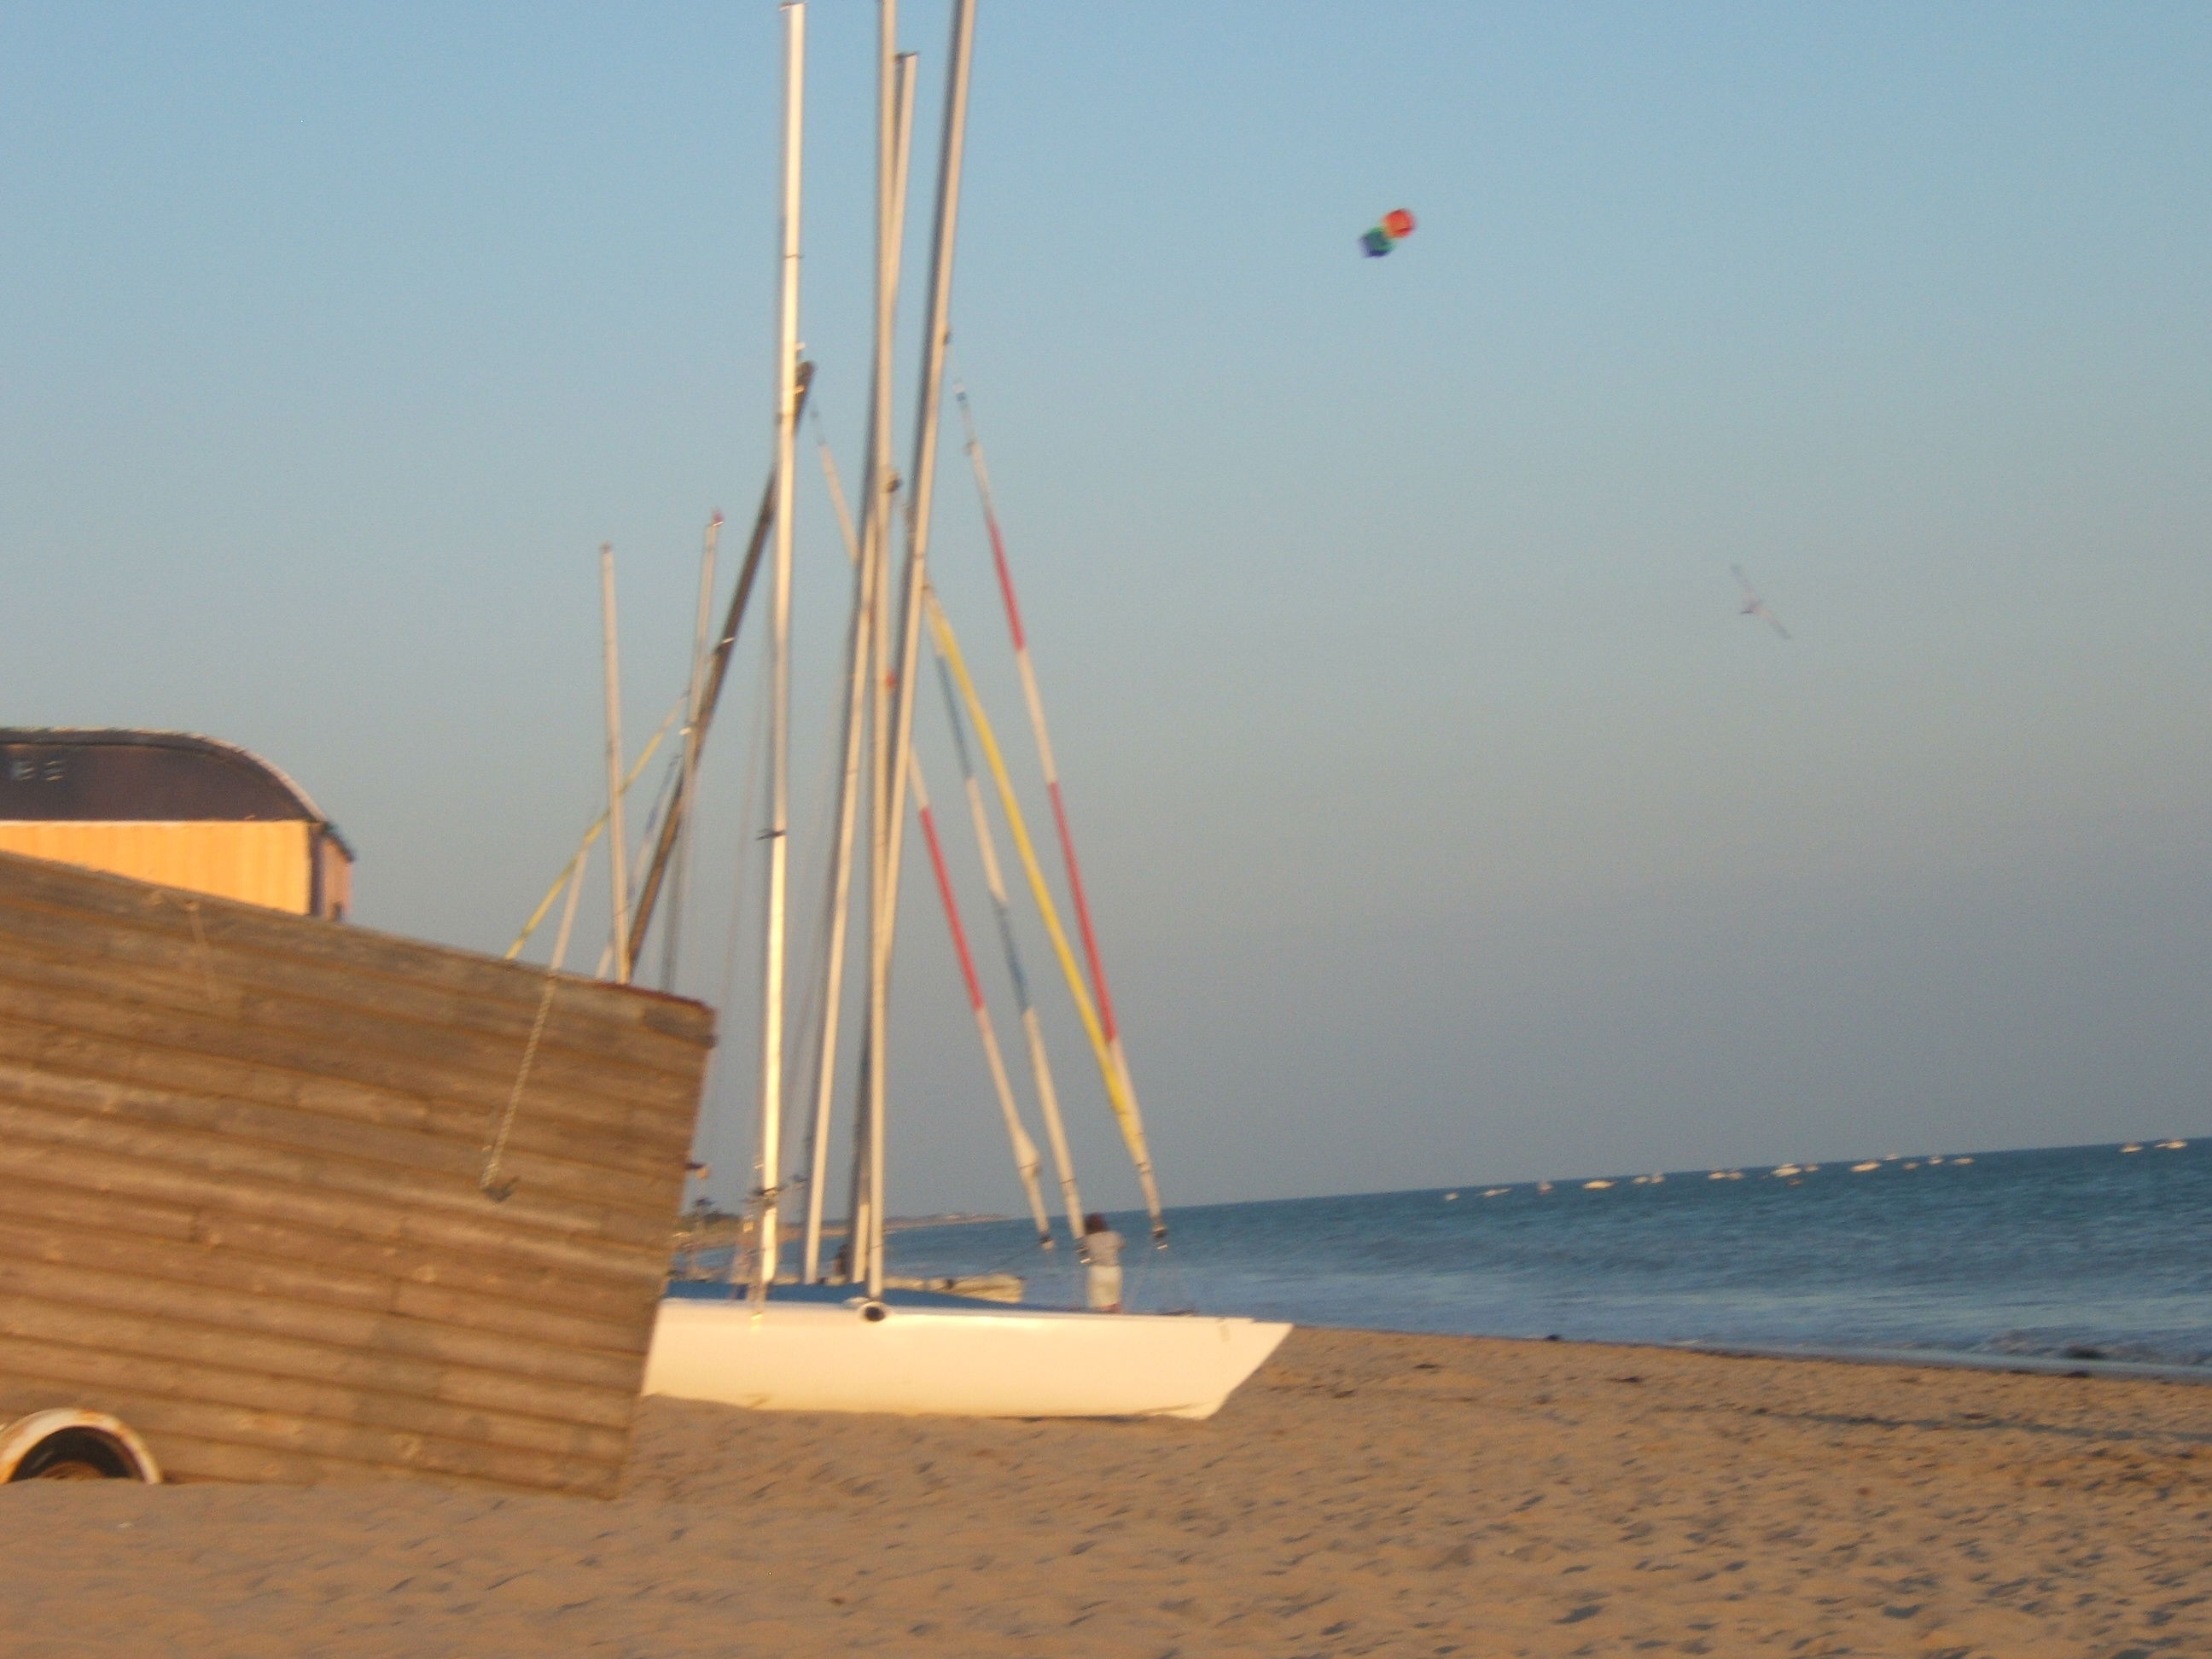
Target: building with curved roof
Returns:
[[174, 808]]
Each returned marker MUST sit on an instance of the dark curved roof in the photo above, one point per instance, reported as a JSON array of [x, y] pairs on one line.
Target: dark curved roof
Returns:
[[60, 773]]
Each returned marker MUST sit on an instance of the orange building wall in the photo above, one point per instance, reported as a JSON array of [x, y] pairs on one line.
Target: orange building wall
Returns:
[[260, 863]]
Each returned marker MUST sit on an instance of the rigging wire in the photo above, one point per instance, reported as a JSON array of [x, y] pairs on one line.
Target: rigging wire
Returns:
[[592, 834]]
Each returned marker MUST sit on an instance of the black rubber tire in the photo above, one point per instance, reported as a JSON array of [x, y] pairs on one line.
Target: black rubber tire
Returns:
[[75, 1454]]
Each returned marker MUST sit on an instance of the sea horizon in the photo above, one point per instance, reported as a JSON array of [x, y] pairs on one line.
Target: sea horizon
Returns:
[[2087, 1254]]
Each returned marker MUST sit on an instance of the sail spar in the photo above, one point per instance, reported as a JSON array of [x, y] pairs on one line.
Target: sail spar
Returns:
[[1119, 1085]]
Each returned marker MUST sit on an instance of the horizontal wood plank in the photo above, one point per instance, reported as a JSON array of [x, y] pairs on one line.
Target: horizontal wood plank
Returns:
[[254, 1390], [379, 972], [302, 1279], [333, 1040], [159, 1336], [456, 1239], [266, 1315], [242, 1153], [400, 1451], [607, 1139], [44, 1107], [519, 1292], [97, 1212], [433, 1146]]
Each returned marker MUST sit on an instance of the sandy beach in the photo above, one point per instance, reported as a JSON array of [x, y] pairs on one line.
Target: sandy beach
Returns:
[[1365, 1494]]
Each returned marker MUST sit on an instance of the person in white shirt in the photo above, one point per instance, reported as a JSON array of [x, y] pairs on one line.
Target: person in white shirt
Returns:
[[1101, 1254]]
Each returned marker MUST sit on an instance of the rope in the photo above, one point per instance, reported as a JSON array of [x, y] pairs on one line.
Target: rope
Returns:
[[202, 956], [1159, 1265], [205, 957], [487, 1181], [498, 1191]]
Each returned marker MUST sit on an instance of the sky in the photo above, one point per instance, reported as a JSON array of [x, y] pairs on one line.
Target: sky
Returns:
[[1444, 820]]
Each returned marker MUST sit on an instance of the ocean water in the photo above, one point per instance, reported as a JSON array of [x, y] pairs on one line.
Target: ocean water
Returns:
[[2068, 1253]]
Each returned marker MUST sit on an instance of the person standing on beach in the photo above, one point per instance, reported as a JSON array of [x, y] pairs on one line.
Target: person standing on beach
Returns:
[[1102, 1255]]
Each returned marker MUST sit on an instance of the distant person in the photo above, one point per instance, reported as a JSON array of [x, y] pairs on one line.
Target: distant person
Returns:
[[1101, 1254]]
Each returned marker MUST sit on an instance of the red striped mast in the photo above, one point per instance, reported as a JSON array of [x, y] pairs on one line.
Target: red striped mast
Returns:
[[1037, 728], [1025, 1152]]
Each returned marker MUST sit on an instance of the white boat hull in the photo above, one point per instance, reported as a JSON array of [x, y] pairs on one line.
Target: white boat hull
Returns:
[[957, 1362]]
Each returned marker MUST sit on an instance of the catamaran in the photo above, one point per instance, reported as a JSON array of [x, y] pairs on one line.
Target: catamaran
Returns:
[[859, 1346]]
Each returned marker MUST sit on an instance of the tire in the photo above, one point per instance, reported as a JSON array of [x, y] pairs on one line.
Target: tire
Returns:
[[75, 1455], [69, 1442]]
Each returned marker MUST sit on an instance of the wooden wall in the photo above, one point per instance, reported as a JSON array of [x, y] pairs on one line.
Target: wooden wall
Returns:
[[240, 1207], [260, 863]]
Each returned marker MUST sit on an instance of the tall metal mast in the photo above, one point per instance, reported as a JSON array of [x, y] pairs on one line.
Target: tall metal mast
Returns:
[[611, 659], [875, 540], [688, 777], [778, 834], [857, 651], [717, 668], [914, 582], [1026, 1163], [861, 676]]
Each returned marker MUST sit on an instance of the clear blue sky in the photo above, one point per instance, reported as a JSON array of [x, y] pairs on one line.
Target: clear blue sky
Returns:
[[1446, 821]]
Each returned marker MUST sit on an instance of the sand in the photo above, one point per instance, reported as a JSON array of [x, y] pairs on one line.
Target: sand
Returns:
[[1365, 1494]]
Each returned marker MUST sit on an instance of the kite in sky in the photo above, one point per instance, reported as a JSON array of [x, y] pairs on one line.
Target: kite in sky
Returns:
[[1397, 225], [1755, 606]]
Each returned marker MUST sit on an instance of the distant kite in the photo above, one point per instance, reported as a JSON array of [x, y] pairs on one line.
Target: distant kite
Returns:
[[1397, 225], [1755, 606]]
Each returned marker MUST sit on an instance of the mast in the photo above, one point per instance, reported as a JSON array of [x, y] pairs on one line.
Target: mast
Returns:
[[1032, 1028], [1025, 1152], [1119, 1057], [857, 651], [915, 576], [778, 835], [892, 114], [717, 668], [1026, 1163], [1133, 1130], [688, 779], [857, 1236], [609, 658]]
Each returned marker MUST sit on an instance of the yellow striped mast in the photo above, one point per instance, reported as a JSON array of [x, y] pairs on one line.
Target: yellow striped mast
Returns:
[[1118, 1092], [1126, 1095]]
